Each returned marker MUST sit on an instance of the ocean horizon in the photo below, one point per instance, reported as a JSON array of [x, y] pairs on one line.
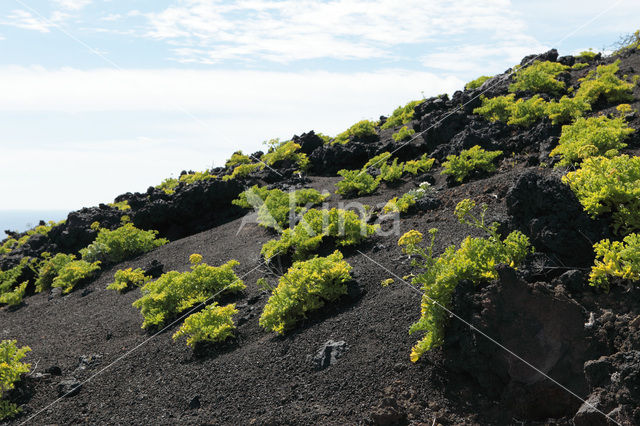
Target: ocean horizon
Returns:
[[22, 220]]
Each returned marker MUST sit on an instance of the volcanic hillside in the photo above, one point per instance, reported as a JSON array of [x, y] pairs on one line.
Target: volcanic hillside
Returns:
[[518, 322]]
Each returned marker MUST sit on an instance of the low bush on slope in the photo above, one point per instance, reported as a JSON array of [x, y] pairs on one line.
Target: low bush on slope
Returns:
[[362, 131], [609, 186], [305, 287], [344, 226], [121, 244], [126, 279], [276, 207], [616, 259], [459, 167], [590, 137], [540, 77], [175, 292], [213, 324], [475, 260], [11, 370], [401, 115]]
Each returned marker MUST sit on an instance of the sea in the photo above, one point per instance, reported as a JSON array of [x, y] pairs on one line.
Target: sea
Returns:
[[22, 220]]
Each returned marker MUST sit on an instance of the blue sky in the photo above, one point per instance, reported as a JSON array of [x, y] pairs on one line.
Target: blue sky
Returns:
[[101, 97]]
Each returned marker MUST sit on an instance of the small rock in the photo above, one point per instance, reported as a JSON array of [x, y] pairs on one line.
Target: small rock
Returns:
[[194, 404], [254, 299], [589, 414], [398, 367], [69, 387], [54, 370], [55, 292], [329, 354]]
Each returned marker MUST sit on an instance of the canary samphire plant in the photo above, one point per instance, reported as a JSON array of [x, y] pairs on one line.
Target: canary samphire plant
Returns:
[[126, 279], [305, 287], [174, 292], [401, 115], [475, 260], [121, 244], [473, 159], [11, 369], [213, 324], [617, 259]]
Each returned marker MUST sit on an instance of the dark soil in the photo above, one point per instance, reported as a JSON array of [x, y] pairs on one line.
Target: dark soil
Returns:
[[89, 344]]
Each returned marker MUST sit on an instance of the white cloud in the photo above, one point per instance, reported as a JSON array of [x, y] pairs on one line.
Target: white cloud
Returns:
[[217, 92], [95, 134], [211, 31], [27, 21], [73, 4]]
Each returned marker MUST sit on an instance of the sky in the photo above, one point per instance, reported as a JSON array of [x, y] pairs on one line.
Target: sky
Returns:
[[102, 97]]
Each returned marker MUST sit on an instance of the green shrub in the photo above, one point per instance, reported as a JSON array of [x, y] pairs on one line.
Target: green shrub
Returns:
[[524, 113], [11, 290], [126, 279], [579, 65], [404, 134], [539, 77], [474, 84], [567, 109], [305, 287], [8, 245], [402, 204], [286, 151], [74, 272], [475, 260], [121, 205], [121, 244], [345, 226], [377, 160], [590, 137], [391, 172], [603, 82], [213, 324], [237, 158], [50, 268], [421, 165], [11, 370], [364, 130], [473, 159], [401, 115], [587, 55], [275, 207], [243, 170], [168, 185], [190, 178], [356, 182], [609, 186], [619, 259], [175, 292], [496, 109]]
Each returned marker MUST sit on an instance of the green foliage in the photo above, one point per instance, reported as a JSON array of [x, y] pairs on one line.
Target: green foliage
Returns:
[[567, 109], [579, 65], [619, 259], [11, 290], [497, 108], [377, 160], [475, 158], [404, 134], [391, 172], [275, 207], [590, 137], [286, 151], [168, 185], [587, 55], [539, 77], [305, 287], [362, 131], [121, 205], [402, 204], [421, 165], [603, 82], [356, 182], [126, 279], [475, 260], [401, 115], [50, 268], [74, 272], [609, 186], [474, 84], [524, 113], [237, 158], [243, 170], [326, 139], [11, 370], [175, 292], [345, 226], [121, 244], [213, 324], [8, 246]]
